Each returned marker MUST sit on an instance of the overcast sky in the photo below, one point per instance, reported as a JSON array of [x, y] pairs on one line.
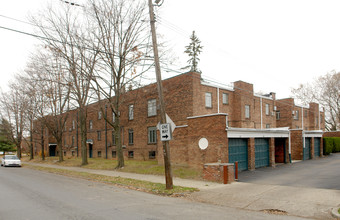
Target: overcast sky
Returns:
[[275, 45]]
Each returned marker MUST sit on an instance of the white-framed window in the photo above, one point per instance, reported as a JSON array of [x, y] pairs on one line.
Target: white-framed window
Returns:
[[99, 115], [247, 111], [73, 140], [130, 112], [99, 136], [113, 138], [225, 98], [208, 100], [90, 124], [152, 135], [130, 136], [152, 107], [113, 117], [267, 109], [278, 115], [296, 115], [73, 124]]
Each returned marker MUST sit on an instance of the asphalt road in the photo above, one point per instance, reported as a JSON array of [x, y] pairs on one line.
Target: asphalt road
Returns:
[[30, 194], [321, 173]]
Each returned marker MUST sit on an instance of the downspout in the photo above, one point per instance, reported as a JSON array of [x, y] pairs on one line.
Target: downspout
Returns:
[[261, 112], [218, 100], [304, 144], [289, 148], [302, 118], [319, 119]]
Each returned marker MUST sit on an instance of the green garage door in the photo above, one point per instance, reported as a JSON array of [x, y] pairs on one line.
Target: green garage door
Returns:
[[317, 147], [238, 151], [306, 150], [261, 152]]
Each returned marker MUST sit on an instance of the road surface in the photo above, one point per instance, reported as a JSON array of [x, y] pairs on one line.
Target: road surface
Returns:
[[30, 194]]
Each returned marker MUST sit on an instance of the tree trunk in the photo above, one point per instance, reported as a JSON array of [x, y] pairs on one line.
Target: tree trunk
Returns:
[[42, 144], [119, 149], [60, 148], [83, 135], [31, 140]]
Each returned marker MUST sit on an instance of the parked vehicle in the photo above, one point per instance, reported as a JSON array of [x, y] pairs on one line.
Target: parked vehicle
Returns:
[[10, 160]]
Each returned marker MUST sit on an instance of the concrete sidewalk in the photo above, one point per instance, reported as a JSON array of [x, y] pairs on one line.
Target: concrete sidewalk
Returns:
[[297, 201]]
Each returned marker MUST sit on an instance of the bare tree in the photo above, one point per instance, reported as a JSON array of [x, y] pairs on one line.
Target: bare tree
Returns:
[[326, 91], [68, 33], [52, 95], [14, 105], [122, 36]]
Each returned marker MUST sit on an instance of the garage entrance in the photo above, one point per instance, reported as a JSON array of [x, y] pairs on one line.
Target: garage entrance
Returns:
[[238, 151], [280, 150], [317, 147], [261, 152], [306, 150]]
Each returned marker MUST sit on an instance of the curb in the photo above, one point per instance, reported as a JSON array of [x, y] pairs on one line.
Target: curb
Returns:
[[335, 212]]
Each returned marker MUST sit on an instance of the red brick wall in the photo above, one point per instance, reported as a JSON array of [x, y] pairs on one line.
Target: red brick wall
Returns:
[[296, 144]]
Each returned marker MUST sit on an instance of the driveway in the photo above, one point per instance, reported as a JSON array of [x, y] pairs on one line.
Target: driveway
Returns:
[[323, 173]]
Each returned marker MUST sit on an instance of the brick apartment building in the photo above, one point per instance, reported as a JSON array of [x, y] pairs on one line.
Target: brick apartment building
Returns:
[[213, 124]]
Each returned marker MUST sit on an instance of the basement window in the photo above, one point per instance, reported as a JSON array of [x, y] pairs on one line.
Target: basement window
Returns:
[[152, 154], [114, 154], [130, 154]]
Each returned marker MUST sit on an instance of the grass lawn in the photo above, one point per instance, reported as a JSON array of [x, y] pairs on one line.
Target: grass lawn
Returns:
[[132, 166], [140, 185]]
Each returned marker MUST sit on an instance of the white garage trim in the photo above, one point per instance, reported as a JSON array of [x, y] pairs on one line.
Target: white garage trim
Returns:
[[257, 133], [314, 133]]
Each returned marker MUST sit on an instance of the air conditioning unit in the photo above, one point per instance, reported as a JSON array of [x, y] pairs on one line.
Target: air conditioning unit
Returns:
[[124, 146], [293, 112]]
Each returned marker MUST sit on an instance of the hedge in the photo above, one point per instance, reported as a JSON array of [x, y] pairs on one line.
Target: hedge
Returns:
[[331, 145]]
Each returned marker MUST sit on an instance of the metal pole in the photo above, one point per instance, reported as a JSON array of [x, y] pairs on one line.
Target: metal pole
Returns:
[[166, 148]]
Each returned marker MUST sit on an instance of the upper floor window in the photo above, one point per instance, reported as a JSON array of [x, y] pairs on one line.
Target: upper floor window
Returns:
[[113, 117], [152, 108], [130, 112], [278, 115], [225, 98], [267, 109], [208, 100], [113, 138], [296, 115], [99, 115], [247, 111], [90, 124], [73, 124], [152, 135], [99, 137], [130, 136]]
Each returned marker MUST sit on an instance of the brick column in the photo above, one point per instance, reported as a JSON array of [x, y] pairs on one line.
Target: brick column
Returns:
[[272, 152], [321, 147], [286, 160], [312, 148], [251, 154]]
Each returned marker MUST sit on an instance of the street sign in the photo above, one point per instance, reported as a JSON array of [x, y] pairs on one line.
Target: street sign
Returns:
[[165, 132], [168, 120]]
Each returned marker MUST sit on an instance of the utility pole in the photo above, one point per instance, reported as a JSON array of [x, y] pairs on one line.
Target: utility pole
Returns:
[[166, 148]]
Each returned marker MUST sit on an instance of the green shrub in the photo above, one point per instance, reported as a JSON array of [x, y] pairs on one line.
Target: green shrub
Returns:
[[328, 145], [336, 145]]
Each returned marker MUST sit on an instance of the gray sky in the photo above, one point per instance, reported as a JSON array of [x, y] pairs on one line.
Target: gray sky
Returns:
[[276, 45]]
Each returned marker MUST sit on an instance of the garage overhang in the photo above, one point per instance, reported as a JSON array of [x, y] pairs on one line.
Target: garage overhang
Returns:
[[314, 133], [258, 133]]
